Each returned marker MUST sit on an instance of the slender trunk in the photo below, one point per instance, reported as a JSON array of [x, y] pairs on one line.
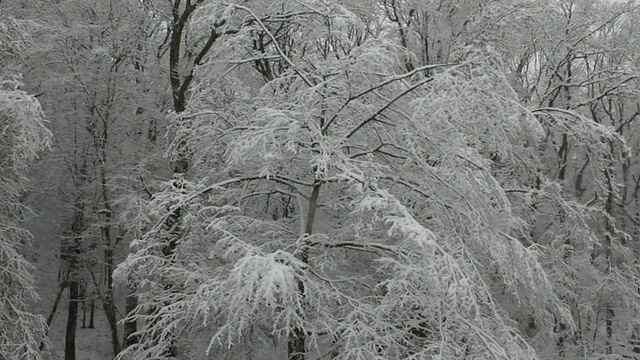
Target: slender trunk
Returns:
[[56, 303], [635, 336], [609, 208], [84, 315], [563, 154], [609, 313], [75, 253], [92, 312], [72, 317], [178, 87], [107, 301], [297, 338], [82, 297], [109, 310]]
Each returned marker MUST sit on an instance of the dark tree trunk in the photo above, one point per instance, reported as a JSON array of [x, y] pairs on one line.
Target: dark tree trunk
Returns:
[[560, 330], [56, 303], [82, 296], [107, 301], [610, 313], [75, 253], [92, 312], [109, 310], [609, 208], [72, 317]]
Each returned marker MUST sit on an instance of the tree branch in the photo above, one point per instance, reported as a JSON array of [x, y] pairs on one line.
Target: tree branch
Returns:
[[386, 106]]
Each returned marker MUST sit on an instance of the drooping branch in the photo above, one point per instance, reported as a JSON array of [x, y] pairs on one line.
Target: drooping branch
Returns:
[[388, 81], [387, 105]]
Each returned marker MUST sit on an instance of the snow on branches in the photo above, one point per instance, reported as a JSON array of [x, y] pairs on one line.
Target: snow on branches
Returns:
[[22, 135], [22, 130], [347, 201]]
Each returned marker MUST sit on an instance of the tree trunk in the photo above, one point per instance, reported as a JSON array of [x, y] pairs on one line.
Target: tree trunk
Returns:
[[560, 330], [91, 314], [609, 313], [130, 326], [297, 338], [72, 317], [609, 208], [76, 251], [82, 296], [56, 303], [107, 302], [109, 310], [84, 315]]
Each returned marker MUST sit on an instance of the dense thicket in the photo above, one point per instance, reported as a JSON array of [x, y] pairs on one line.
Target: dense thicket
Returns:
[[378, 179]]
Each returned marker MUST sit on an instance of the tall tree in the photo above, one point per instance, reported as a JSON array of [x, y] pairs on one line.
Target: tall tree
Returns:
[[345, 194], [22, 136]]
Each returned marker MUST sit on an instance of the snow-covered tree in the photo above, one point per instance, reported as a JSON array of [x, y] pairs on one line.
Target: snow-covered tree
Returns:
[[22, 135], [344, 198]]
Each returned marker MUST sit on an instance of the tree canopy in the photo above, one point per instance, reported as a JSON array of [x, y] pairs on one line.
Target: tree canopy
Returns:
[[378, 179]]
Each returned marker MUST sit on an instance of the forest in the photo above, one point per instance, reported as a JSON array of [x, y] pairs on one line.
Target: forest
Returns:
[[319, 179]]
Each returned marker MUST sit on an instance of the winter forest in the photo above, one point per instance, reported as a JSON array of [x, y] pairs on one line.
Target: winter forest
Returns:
[[319, 179]]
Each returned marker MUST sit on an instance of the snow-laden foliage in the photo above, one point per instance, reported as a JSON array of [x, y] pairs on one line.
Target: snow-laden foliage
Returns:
[[344, 196], [22, 135], [23, 132]]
